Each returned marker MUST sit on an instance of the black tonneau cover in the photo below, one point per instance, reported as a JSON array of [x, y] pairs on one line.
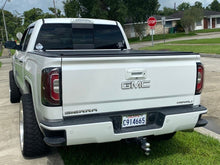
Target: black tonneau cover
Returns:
[[109, 53]]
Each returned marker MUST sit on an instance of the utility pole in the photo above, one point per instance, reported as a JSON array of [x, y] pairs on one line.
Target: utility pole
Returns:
[[2, 35], [54, 4], [6, 33]]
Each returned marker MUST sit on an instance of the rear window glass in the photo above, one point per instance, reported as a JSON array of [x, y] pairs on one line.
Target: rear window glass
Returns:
[[68, 36]]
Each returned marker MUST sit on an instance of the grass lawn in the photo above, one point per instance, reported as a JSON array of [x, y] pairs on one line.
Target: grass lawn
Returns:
[[209, 49], [160, 37], [204, 46], [199, 41], [186, 148], [207, 30], [12, 51], [1, 52]]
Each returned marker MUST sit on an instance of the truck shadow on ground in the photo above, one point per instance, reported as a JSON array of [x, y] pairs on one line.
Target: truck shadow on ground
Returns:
[[121, 152]]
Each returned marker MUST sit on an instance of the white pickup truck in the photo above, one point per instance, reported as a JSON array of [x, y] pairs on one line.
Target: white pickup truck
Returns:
[[79, 82]]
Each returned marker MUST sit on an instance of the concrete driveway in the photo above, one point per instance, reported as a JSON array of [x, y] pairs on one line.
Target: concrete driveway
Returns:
[[211, 92], [9, 132]]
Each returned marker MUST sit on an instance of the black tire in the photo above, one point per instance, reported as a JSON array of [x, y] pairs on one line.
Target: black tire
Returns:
[[33, 144], [15, 95], [163, 137]]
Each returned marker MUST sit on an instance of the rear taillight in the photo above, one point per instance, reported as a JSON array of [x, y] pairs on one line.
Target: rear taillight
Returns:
[[51, 87], [199, 78]]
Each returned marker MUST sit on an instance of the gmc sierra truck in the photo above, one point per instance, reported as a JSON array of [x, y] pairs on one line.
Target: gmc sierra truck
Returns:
[[78, 81]]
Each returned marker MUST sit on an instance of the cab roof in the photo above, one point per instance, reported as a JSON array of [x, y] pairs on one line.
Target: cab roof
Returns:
[[75, 20]]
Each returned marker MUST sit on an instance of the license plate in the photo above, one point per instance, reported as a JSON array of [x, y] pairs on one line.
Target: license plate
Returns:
[[134, 120]]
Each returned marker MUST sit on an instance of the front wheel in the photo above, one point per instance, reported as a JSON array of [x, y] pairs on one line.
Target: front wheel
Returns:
[[31, 138]]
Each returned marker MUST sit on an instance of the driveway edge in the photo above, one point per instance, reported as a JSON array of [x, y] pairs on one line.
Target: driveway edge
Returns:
[[210, 55], [207, 132]]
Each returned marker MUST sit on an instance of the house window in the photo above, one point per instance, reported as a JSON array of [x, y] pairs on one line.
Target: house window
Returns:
[[218, 20], [199, 23], [168, 24]]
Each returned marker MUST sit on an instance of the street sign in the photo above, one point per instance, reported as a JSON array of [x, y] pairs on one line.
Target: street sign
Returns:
[[164, 24], [163, 21], [152, 21]]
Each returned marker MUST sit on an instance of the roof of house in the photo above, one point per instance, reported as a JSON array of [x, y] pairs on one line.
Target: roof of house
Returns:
[[178, 15], [206, 13], [159, 17], [209, 13]]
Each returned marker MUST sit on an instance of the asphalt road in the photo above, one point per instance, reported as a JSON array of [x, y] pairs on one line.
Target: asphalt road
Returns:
[[9, 133]]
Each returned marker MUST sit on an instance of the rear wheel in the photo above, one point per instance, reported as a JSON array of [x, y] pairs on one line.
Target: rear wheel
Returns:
[[15, 94], [31, 138]]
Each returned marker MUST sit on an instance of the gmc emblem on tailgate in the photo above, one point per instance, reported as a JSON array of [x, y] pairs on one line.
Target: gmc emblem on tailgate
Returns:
[[135, 84]]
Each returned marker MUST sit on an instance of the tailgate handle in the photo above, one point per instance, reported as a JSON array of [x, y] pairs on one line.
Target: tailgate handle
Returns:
[[136, 74]]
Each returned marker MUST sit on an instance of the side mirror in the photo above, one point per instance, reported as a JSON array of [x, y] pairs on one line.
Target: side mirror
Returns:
[[12, 45], [19, 35]]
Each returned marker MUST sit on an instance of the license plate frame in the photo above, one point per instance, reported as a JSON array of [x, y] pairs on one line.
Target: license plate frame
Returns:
[[130, 121]]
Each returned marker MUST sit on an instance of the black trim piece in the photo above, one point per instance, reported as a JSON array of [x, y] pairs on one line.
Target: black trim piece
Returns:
[[108, 53], [54, 138], [43, 21], [55, 142], [158, 113], [201, 122], [82, 26]]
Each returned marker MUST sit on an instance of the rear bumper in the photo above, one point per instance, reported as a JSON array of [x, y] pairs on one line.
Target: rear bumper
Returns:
[[107, 127]]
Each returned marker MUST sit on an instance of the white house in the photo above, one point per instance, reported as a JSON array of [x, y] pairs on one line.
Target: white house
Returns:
[[211, 20]]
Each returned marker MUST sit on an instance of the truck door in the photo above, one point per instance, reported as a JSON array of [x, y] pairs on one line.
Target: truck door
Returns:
[[19, 57]]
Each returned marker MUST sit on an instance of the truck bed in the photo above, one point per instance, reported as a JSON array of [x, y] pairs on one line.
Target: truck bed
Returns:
[[106, 81], [108, 53]]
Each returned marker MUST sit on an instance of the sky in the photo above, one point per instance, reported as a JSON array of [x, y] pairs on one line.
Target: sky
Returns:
[[24, 5], [170, 3]]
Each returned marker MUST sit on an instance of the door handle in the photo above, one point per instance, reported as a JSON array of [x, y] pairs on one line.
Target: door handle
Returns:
[[136, 74]]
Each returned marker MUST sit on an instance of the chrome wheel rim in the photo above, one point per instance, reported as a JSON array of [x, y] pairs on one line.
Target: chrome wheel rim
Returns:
[[21, 126]]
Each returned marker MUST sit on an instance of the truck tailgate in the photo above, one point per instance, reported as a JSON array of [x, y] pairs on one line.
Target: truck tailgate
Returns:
[[107, 84]]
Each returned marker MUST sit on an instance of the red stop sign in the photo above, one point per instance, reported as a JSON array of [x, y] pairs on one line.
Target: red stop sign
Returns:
[[152, 21]]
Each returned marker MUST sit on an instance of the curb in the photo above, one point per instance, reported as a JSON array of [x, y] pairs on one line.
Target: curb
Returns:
[[207, 132], [210, 55]]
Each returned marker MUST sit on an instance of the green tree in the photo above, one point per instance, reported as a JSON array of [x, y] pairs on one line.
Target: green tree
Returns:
[[32, 15], [94, 9], [116, 10], [166, 11], [119, 10], [58, 12], [12, 22], [139, 29], [183, 6], [189, 18], [198, 4], [214, 6], [72, 8], [139, 11]]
